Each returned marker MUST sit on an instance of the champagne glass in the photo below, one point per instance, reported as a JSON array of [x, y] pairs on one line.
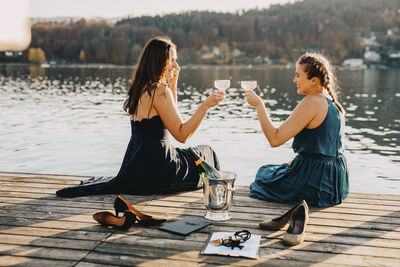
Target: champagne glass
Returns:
[[222, 84], [248, 85]]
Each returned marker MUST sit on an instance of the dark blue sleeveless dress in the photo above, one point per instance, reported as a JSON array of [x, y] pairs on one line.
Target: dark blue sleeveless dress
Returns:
[[151, 165], [318, 174]]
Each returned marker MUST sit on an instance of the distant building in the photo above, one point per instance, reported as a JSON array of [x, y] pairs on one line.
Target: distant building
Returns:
[[236, 52], [257, 59], [394, 55], [372, 56], [267, 60], [394, 59], [12, 53], [356, 63], [216, 50], [369, 42], [393, 31], [208, 55]]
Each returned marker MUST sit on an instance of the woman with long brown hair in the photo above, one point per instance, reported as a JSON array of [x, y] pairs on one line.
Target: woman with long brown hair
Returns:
[[318, 174], [151, 163]]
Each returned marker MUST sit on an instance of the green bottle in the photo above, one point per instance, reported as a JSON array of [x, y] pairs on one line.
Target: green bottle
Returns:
[[203, 167]]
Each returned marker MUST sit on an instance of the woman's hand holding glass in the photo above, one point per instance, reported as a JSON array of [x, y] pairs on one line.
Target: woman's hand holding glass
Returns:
[[252, 98], [215, 98], [173, 74]]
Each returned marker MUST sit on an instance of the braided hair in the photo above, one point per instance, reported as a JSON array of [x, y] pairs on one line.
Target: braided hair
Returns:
[[317, 65]]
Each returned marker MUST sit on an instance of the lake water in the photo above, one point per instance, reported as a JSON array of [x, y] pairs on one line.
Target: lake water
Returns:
[[69, 120]]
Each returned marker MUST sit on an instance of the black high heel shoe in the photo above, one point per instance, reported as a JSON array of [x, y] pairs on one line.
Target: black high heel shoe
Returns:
[[106, 218], [121, 205]]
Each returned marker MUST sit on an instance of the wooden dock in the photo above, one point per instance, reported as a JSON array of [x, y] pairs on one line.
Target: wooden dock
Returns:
[[39, 229]]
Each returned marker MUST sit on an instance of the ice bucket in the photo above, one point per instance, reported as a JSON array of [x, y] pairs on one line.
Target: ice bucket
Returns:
[[217, 196]]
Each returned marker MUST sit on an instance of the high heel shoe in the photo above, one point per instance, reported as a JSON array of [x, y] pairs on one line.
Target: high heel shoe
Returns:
[[278, 223], [108, 219], [121, 205], [296, 231]]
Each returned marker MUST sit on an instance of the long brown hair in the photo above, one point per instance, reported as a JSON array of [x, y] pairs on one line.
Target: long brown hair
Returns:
[[318, 65], [151, 66]]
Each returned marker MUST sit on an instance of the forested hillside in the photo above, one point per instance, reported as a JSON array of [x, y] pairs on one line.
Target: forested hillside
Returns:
[[277, 34]]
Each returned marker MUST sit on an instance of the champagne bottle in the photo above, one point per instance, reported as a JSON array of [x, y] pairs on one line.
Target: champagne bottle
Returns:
[[203, 166]]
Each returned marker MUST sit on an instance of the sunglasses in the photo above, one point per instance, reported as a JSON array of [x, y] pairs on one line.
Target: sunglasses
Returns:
[[233, 241]]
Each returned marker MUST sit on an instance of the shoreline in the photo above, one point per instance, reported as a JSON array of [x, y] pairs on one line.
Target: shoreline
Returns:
[[188, 66]]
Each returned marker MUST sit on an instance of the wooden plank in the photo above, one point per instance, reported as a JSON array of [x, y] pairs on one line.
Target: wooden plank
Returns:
[[244, 191], [189, 251], [310, 236], [5, 193], [42, 252], [340, 222], [98, 233], [189, 258], [56, 214], [250, 202], [10, 184], [392, 212], [51, 212], [56, 224], [37, 180], [241, 189], [157, 242], [373, 201], [154, 232], [29, 262], [194, 237], [27, 189], [272, 212], [42, 175], [91, 264], [374, 196], [53, 242], [72, 214], [108, 198], [128, 260], [96, 202]]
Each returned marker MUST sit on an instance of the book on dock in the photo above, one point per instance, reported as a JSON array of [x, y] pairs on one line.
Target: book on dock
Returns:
[[249, 248], [185, 226]]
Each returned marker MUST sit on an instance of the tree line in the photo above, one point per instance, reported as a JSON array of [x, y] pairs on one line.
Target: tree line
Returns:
[[279, 33]]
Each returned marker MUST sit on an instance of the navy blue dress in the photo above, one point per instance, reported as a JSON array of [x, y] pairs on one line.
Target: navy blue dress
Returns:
[[151, 165], [318, 174]]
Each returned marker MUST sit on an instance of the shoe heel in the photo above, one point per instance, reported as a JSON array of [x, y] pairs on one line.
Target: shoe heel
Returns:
[[120, 206], [130, 219], [296, 231], [279, 222]]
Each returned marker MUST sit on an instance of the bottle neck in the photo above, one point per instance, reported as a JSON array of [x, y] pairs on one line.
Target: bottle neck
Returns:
[[198, 161]]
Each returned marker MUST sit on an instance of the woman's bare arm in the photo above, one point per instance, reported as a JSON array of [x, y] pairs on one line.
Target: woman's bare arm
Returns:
[[165, 106], [301, 116]]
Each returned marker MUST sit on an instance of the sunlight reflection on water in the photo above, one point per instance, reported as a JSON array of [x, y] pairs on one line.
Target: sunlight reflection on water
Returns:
[[70, 121]]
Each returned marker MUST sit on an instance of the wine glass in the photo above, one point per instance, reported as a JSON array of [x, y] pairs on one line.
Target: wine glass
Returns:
[[222, 84], [248, 85]]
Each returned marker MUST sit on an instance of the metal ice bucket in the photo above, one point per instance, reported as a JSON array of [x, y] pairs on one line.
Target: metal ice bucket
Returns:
[[217, 196]]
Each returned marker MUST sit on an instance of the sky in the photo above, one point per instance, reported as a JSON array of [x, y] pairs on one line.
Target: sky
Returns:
[[123, 8]]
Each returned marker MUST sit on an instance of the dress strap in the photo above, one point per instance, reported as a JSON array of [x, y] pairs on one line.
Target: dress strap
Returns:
[[152, 100]]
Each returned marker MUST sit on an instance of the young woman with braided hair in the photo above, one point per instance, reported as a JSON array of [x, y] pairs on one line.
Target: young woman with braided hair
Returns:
[[318, 174]]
